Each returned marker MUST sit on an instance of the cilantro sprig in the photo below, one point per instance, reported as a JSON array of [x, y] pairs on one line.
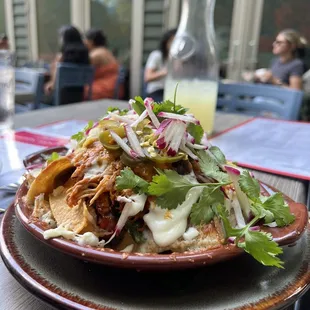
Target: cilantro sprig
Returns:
[[257, 243], [272, 208], [129, 180], [52, 157], [80, 136], [121, 111], [170, 188], [210, 168]]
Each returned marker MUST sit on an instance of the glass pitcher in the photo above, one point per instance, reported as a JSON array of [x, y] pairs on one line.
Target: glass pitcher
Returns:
[[193, 64]]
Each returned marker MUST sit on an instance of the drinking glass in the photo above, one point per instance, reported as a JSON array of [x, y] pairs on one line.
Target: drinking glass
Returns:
[[7, 90]]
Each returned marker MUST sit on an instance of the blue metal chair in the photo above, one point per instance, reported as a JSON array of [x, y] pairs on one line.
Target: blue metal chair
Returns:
[[120, 82], [73, 76], [260, 100], [28, 81]]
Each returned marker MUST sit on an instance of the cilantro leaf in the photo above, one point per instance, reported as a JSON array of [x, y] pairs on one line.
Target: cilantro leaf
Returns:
[[218, 154], [260, 212], [79, 136], [196, 131], [168, 106], [138, 105], [129, 180], [52, 157], [261, 246], [280, 210], [249, 185], [170, 188], [209, 167], [258, 244], [121, 111], [202, 211]]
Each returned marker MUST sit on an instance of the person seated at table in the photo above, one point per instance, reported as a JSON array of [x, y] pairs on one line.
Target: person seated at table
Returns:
[[106, 65], [156, 67], [4, 42], [288, 67], [73, 51]]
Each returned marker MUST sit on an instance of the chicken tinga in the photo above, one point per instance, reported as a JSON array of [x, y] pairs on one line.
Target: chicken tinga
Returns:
[[147, 180]]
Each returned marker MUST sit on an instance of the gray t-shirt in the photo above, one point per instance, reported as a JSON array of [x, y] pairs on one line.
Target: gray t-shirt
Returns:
[[155, 62], [283, 71]]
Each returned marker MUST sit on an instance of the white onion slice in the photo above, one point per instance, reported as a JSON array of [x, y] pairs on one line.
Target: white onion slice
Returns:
[[141, 117], [148, 107], [123, 145], [184, 118]]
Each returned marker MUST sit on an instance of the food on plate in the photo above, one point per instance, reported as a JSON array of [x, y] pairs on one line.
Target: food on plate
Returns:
[[147, 180]]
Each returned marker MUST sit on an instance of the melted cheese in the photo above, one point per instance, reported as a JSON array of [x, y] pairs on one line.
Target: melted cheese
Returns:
[[59, 232], [167, 230], [95, 169], [49, 219], [190, 234], [87, 238]]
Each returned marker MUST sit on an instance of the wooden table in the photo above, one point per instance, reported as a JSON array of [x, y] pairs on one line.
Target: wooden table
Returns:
[[13, 295]]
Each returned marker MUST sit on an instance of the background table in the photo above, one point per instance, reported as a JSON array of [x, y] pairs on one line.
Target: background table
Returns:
[[14, 296]]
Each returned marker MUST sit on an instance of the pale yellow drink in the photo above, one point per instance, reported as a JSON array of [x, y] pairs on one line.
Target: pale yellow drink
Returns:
[[198, 96]]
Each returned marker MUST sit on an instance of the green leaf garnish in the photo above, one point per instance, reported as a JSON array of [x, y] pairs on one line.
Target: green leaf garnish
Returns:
[[138, 105], [79, 136], [54, 156], [129, 180], [168, 106], [202, 211], [257, 243], [121, 111], [218, 154], [170, 188], [196, 131], [249, 185], [210, 168]]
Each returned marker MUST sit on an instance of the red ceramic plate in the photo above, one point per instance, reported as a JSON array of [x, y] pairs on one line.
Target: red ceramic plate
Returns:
[[284, 236]]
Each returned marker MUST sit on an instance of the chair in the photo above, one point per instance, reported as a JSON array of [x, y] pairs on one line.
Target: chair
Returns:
[[120, 83], [72, 76], [260, 100], [29, 85]]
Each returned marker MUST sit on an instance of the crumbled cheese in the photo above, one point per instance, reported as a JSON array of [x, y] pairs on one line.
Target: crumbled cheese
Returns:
[[190, 234], [49, 219]]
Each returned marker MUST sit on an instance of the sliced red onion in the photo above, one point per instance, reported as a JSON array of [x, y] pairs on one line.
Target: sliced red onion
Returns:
[[123, 119], [254, 228], [205, 141], [179, 130], [231, 239], [163, 125], [187, 151], [196, 146], [232, 170], [141, 117], [238, 212], [184, 118], [94, 126], [133, 141], [123, 145], [34, 166], [166, 136], [190, 138], [148, 107]]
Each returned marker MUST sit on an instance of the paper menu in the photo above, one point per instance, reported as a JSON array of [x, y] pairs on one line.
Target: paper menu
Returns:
[[275, 146], [16, 145]]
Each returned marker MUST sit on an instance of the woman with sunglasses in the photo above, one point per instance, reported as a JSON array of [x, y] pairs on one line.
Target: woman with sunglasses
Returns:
[[287, 68]]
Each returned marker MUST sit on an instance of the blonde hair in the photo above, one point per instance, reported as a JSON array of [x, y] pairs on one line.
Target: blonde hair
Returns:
[[295, 38]]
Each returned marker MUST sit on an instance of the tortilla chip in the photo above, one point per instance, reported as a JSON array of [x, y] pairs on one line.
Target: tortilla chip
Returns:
[[45, 181], [41, 206], [76, 219]]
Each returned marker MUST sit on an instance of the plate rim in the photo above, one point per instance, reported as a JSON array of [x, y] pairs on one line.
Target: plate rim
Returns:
[[60, 297], [146, 260]]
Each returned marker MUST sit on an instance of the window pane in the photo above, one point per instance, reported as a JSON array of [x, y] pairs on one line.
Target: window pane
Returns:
[[279, 15], [51, 16], [2, 17], [113, 17]]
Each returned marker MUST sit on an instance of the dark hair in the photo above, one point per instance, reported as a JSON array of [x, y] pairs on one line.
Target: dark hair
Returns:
[[164, 40], [97, 37], [72, 48]]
